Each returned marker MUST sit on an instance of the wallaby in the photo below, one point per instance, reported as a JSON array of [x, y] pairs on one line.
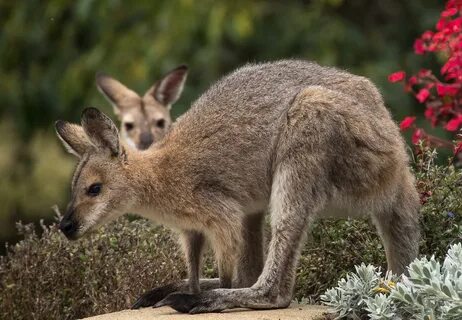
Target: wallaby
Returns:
[[145, 119], [291, 138]]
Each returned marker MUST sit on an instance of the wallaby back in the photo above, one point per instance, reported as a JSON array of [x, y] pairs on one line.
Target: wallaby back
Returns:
[[237, 122]]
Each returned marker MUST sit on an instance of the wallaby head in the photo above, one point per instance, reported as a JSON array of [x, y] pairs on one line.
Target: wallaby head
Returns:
[[145, 119], [98, 191]]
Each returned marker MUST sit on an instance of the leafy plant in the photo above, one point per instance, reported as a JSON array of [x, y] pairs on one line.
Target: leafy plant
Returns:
[[441, 195], [431, 291], [351, 298]]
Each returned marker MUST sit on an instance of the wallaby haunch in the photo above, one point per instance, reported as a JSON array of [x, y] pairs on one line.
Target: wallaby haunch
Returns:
[[146, 119], [290, 138]]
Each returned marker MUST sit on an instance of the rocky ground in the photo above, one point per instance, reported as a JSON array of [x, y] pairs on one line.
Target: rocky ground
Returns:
[[294, 312]]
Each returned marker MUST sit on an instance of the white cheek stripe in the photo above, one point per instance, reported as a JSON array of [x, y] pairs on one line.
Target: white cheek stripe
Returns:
[[92, 218]]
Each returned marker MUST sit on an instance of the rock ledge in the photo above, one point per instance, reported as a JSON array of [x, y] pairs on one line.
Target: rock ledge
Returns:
[[294, 312]]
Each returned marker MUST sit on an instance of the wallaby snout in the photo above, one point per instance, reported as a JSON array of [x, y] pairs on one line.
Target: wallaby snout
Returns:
[[146, 139], [69, 227]]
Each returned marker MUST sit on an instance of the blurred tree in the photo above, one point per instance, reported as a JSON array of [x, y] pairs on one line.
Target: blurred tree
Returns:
[[51, 50]]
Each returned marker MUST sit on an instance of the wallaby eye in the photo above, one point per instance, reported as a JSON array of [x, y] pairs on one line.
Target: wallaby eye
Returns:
[[129, 126], [160, 123], [94, 189]]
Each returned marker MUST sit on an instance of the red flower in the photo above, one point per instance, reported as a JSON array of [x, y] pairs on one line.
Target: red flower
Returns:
[[449, 12], [422, 95], [447, 89], [427, 35], [454, 123], [439, 37], [397, 76], [454, 25], [412, 80], [450, 65], [429, 112], [419, 47], [417, 136], [440, 24], [406, 123]]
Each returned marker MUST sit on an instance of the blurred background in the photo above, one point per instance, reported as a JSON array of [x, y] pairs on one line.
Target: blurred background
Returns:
[[51, 50]]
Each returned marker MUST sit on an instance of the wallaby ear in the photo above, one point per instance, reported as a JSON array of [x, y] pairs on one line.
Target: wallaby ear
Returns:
[[169, 88], [73, 137], [114, 91], [101, 131]]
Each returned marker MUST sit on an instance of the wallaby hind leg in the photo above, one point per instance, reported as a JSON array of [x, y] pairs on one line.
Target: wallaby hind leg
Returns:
[[193, 245], [250, 264], [399, 228]]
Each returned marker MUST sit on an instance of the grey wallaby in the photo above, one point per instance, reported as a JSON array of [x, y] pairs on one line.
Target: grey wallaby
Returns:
[[144, 119], [291, 138]]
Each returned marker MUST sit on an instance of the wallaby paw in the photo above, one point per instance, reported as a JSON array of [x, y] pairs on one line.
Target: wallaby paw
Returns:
[[151, 297], [191, 303]]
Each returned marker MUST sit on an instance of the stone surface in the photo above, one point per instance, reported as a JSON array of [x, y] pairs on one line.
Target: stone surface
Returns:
[[294, 312]]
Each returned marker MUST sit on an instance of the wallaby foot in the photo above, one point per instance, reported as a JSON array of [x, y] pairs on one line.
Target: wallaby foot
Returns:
[[151, 297], [155, 295], [220, 299]]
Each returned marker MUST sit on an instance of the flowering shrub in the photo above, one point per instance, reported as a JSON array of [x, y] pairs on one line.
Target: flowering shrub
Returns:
[[441, 95], [431, 291]]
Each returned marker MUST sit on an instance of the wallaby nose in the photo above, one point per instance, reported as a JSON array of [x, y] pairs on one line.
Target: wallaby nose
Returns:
[[69, 228], [146, 139]]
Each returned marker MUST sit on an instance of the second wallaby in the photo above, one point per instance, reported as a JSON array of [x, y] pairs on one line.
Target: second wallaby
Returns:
[[144, 120], [291, 138]]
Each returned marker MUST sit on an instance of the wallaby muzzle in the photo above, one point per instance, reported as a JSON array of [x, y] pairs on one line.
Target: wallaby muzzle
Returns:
[[69, 226], [146, 139]]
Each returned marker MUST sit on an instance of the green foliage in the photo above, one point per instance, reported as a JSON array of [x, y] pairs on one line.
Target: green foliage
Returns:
[[431, 291], [441, 191], [32, 179], [51, 51]]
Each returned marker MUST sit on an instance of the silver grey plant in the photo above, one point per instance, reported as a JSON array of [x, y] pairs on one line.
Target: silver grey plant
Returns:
[[431, 291]]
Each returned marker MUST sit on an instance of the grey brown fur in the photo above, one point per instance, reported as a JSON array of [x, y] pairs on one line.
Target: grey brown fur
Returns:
[[291, 138]]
